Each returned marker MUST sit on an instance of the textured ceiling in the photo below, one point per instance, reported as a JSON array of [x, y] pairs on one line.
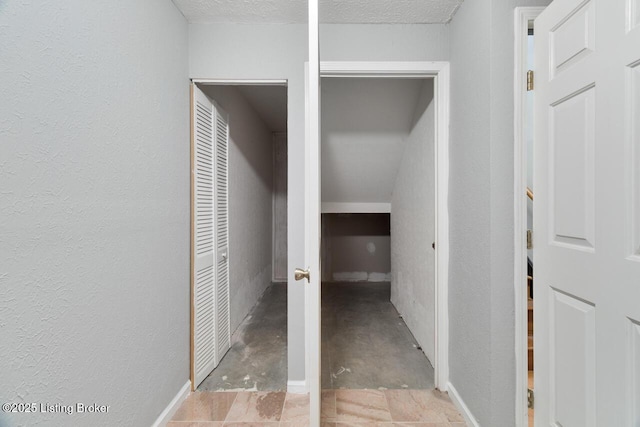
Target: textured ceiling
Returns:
[[331, 11]]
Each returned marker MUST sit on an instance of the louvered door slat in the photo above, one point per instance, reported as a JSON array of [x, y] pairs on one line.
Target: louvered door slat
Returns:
[[210, 218], [204, 268], [223, 327]]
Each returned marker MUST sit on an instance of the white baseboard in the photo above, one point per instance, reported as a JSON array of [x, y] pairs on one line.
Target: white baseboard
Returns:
[[173, 406], [462, 407], [298, 387]]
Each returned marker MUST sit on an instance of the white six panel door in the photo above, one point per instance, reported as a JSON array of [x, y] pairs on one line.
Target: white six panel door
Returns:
[[587, 214], [209, 210]]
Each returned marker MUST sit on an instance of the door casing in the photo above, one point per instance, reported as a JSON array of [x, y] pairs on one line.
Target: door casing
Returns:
[[204, 82], [439, 71]]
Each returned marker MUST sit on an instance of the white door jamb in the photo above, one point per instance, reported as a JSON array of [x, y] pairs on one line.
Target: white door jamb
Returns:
[[523, 15]]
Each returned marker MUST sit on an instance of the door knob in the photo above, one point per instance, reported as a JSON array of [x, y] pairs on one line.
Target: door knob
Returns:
[[302, 274]]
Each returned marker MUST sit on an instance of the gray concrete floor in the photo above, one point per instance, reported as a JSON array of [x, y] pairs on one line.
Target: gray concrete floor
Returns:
[[365, 344], [257, 359]]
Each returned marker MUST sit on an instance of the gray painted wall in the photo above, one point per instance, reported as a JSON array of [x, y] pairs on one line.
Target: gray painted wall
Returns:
[[364, 125], [359, 259], [413, 226], [356, 248], [280, 207], [469, 211], [94, 212], [279, 51], [250, 201], [384, 42], [481, 300]]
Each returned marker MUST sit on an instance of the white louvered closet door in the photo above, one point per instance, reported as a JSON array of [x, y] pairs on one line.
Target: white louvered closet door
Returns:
[[202, 252], [223, 327]]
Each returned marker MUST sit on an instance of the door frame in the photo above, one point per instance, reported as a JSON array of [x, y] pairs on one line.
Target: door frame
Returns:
[[209, 82], [439, 71], [522, 16]]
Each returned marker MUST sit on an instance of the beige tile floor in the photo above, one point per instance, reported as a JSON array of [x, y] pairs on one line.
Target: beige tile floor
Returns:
[[340, 408]]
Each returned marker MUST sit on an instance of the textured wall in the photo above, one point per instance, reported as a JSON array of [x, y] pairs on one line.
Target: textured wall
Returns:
[[359, 259], [481, 299], [413, 226], [356, 247], [94, 208], [279, 51], [250, 201], [364, 125], [384, 42], [280, 207], [469, 210]]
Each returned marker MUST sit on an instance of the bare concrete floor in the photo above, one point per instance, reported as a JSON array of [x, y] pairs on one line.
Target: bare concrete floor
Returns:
[[257, 360], [365, 344]]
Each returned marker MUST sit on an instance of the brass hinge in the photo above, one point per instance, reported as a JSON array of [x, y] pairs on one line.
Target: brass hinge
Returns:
[[530, 398], [529, 239], [529, 80]]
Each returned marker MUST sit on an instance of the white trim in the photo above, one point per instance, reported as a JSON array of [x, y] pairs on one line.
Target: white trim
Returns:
[[455, 397], [297, 387], [441, 362], [168, 412], [241, 82], [307, 296], [440, 72], [414, 69], [339, 207], [522, 16], [312, 217]]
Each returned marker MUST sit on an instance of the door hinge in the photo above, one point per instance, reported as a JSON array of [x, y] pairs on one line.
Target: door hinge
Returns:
[[529, 239], [530, 398], [529, 80]]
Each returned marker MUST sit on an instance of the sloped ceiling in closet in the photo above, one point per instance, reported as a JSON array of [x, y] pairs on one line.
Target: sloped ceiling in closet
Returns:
[[331, 11], [270, 102], [364, 125]]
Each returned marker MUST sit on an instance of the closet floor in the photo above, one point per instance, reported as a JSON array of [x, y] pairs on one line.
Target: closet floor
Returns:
[[257, 359], [365, 344]]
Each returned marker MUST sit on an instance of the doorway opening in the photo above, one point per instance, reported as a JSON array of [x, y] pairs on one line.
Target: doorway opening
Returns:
[[378, 233], [255, 118]]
